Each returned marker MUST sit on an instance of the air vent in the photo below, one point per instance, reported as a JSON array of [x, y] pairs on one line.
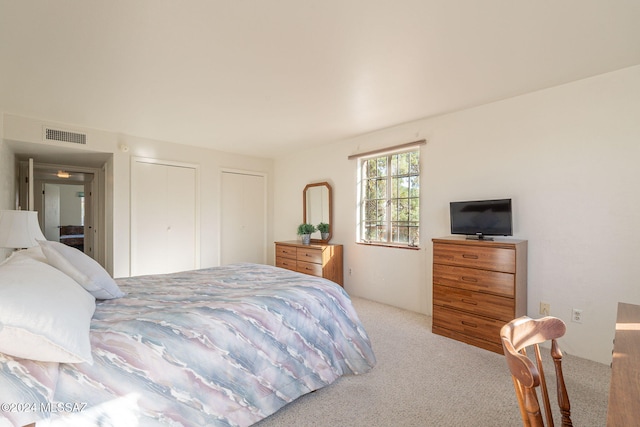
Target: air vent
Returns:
[[64, 136]]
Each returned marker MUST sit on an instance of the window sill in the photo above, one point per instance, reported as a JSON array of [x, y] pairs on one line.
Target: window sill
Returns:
[[389, 245]]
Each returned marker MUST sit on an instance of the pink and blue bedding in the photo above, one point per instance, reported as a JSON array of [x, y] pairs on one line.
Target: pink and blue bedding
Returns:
[[224, 346]]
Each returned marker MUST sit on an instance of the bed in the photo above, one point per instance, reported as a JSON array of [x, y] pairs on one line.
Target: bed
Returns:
[[224, 346], [72, 235]]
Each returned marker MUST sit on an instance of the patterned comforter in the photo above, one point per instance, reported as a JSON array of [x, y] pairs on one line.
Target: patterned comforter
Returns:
[[213, 347]]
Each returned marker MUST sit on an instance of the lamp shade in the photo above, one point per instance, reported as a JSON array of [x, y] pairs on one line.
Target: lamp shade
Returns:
[[19, 229]]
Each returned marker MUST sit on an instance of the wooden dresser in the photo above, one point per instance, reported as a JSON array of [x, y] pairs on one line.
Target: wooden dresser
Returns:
[[316, 259], [478, 286], [624, 390]]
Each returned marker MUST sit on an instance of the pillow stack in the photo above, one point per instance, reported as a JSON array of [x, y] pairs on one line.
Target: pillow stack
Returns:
[[47, 300], [81, 268]]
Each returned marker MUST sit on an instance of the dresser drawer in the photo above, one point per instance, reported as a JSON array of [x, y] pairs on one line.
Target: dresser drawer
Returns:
[[286, 251], [309, 268], [468, 324], [494, 306], [473, 279], [316, 259], [487, 258], [289, 264], [309, 255], [495, 346]]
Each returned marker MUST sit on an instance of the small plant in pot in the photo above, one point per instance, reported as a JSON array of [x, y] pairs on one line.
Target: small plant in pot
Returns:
[[323, 228], [305, 230]]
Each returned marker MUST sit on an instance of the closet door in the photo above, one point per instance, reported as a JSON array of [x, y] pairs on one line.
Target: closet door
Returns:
[[243, 216], [181, 218], [163, 217], [51, 212]]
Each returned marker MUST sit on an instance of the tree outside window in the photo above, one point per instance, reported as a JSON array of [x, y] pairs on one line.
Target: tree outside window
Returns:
[[390, 199]]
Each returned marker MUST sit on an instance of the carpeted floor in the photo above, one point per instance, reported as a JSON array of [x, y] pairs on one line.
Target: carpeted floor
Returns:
[[422, 379]]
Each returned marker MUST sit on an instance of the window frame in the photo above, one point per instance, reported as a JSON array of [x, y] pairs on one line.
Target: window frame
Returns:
[[388, 178]]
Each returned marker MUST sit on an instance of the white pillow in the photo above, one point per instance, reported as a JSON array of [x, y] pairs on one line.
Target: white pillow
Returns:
[[34, 252], [44, 314], [81, 268]]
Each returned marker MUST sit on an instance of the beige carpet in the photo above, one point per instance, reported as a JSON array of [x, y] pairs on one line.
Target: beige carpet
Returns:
[[422, 379]]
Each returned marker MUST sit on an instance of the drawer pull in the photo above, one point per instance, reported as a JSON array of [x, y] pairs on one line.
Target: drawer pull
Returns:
[[467, 301], [473, 325], [469, 279], [468, 256]]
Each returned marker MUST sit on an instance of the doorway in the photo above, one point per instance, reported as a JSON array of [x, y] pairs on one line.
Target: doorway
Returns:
[[67, 199]]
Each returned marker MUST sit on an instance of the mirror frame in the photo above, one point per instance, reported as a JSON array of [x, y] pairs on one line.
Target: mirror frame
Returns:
[[304, 208]]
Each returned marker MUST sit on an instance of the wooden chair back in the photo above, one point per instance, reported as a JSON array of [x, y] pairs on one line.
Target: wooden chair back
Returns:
[[528, 377]]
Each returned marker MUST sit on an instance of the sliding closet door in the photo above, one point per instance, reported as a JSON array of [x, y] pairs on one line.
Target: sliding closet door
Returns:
[[181, 218], [163, 217], [243, 214]]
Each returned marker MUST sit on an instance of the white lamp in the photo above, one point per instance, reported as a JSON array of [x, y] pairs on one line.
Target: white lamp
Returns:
[[19, 229]]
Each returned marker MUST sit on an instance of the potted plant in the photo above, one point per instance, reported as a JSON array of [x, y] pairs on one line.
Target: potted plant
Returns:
[[323, 228], [305, 230]]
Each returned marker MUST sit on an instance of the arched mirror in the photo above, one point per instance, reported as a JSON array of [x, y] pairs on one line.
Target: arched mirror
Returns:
[[316, 209]]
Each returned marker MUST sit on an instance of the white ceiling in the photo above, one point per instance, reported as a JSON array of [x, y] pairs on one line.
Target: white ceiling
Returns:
[[266, 76]]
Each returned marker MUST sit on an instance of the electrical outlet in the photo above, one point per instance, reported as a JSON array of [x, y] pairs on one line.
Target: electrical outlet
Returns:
[[545, 308], [576, 315]]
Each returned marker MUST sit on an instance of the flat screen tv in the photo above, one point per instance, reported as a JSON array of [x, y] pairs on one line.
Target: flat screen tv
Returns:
[[480, 218]]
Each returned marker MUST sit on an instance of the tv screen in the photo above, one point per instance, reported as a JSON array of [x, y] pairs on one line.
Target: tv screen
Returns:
[[481, 218]]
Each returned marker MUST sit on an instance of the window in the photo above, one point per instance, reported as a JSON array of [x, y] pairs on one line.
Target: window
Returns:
[[389, 194]]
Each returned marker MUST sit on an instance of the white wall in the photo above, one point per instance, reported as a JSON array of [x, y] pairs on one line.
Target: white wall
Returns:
[[7, 180], [7, 173], [211, 162], [21, 129], [70, 204], [568, 156]]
